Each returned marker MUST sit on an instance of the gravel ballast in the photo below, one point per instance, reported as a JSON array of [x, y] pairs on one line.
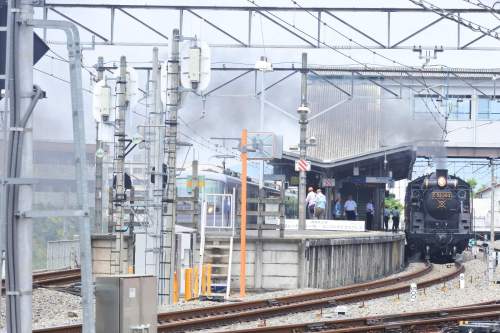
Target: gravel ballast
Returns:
[[477, 289], [51, 308], [54, 308]]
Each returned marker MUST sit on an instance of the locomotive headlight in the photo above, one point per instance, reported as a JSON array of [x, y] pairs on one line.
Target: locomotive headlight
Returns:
[[210, 209], [441, 181]]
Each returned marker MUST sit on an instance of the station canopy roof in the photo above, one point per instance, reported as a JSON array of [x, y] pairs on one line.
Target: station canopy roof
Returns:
[[399, 160]]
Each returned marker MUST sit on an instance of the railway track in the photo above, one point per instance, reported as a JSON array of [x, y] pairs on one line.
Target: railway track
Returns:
[[416, 321], [53, 278], [214, 316], [246, 311]]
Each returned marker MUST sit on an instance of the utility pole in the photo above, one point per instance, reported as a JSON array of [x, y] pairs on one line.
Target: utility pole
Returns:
[[119, 159], [303, 110], [167, 240], [243, 224], [492, 253], [98, 161], [158, 128]]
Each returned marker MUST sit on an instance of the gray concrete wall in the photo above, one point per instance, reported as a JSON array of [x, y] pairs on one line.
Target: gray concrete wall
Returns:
[[106, 255], [332, 263], [327, 263]]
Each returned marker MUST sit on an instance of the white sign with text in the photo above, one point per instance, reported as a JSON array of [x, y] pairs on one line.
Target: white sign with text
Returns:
[[334, 225]]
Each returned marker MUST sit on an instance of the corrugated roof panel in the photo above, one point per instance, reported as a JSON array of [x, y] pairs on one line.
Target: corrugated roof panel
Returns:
[[350, 129]]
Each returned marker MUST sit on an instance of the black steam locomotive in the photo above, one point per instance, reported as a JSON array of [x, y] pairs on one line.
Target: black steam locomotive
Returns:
[[438, 216]]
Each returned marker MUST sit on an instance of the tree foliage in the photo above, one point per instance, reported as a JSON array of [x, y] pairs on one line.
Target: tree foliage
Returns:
[[50, 229], [391, 202], [472, 183]]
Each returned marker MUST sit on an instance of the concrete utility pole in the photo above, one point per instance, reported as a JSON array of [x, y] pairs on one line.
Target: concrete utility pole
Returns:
[[167, 240], [98, 161], [158, 156], [261, 121], [303, 111], [243, 224], [492, 253], [119, 159]]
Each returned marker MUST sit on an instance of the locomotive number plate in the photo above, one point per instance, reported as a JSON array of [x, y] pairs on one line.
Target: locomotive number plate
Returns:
[[441, 195]]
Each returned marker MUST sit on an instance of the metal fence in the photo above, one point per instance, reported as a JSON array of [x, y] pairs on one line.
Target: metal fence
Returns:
[[63, 254]]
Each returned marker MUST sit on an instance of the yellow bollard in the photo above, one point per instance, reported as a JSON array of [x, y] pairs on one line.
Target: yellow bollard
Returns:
[[209, 279], [204, 280], [176, 289], [188, 277], [196, 282]]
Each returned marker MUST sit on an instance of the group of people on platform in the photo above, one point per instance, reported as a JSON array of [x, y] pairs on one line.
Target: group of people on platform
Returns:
[[395, 218], [316, 208]]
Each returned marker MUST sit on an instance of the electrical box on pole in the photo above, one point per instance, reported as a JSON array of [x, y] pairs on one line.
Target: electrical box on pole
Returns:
[[101, 101], [195, 65]]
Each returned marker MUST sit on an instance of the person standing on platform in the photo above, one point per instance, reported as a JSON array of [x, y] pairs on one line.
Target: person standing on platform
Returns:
[[227, 210], [387, 215], [337, 209], [310, 202], [350, 209], [395, 219], [370, 212], [319, 205]]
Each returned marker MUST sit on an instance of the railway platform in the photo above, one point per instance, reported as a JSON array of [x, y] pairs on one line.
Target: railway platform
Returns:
[[314, 258]]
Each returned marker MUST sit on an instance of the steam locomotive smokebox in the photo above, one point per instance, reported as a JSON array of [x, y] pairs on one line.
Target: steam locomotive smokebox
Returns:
[[126, 303], [441, 173]]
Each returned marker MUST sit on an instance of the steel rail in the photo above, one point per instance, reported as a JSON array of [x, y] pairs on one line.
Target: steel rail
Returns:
[[252, 305], [53, 277], [290, 306], [372, 324], [368, 322], [419, 325], [275, 309], [266, 303]]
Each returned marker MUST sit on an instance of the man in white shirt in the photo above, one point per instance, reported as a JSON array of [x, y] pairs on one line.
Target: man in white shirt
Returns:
[[370, 212], [350, 208], [320, 205], [310, 203]]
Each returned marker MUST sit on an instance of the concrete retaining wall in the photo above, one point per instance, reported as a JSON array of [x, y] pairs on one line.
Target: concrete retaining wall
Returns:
[[325, 263], [332, 263]]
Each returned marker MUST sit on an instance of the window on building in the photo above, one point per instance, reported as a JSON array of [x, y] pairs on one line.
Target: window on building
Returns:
[[459, 108], [455, 106], [488, 108]]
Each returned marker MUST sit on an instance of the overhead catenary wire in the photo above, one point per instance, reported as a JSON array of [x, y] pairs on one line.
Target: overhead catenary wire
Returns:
[[59, 57], [374, 52], [480, 4], [445, 116], [455, 17], [363, 64], [58, 78]]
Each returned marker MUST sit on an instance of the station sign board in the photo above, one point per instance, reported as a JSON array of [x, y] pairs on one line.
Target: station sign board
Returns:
[[264, 146], [328, 182], [331, 225], [377, 180], [190, 184]]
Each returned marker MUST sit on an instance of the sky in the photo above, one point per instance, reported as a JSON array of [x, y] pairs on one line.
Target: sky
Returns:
[[236, 104]]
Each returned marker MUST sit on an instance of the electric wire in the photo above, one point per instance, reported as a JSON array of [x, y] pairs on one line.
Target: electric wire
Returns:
[[363, 64], [424, 83], [445, 116], [454, 17], [58, 78]]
